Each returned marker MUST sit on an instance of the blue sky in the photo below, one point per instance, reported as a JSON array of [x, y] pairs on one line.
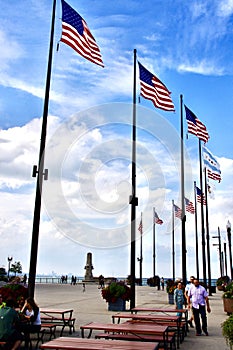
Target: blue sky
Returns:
[[188, 45]]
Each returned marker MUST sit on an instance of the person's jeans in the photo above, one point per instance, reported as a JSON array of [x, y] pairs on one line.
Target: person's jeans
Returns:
[[196, 314]]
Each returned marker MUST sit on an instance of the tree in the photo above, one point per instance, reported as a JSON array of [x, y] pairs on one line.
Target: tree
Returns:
[[16, 267]]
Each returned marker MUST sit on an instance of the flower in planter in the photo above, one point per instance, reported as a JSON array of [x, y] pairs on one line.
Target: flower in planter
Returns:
[[171, 286], [222, 281], [228, 294], [116, 290], [14, 291]]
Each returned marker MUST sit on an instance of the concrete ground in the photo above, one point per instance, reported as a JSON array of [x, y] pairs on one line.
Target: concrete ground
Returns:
[[89, 306]]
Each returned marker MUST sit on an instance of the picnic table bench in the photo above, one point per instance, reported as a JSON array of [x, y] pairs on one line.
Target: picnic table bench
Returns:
[[58, 317], [128, 331], [172, 321], [71, 343], [165, 311]]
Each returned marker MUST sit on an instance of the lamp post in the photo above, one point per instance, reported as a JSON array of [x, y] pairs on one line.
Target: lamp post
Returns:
[[219, 250], [228, 226], [10, 258], [225, 256], [140, 270]]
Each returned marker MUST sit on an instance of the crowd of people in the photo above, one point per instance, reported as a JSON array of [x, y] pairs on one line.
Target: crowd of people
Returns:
[[18, 321]]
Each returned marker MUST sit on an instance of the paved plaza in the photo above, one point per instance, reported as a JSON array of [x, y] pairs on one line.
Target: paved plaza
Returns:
[[89, 306]]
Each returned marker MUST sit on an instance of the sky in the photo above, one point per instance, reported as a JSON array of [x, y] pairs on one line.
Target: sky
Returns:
[[85, 201]]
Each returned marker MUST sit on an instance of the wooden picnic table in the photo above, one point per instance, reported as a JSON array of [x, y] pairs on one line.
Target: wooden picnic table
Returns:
[[58, 317], [71, 343], [172, 321], [137, 330], [165, 311]]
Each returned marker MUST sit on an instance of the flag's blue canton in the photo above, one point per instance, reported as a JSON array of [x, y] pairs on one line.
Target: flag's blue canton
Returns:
[[190, 115], [70, 16], [198, 191], [145, 75]]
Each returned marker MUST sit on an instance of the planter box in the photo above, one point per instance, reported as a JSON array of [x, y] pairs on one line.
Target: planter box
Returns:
[[119, 305], [228, 305], [171, 298], [221, 288]]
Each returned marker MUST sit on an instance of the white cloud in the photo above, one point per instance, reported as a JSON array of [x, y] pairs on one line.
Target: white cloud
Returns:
[[204, 67], [225, 8], [10, 51]]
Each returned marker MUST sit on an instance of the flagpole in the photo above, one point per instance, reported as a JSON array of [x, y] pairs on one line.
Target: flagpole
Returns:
[[184, 279], [39, 171], [207, 236], [196, 232], [202, 219], [133, 199], [141, 253], [154, 242], [173, 243]]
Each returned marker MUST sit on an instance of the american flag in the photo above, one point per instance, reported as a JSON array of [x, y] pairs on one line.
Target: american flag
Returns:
[[153, 89], [189, 206], [178, 212], [77, 35], [140, 227], [211, 164], [200, 197], [195, 126], [157, 219]]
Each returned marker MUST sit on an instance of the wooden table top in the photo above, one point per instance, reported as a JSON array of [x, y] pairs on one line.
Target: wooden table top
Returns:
[[55, 311], [148, 317], [154, 309], [126, 327], [97, 344]]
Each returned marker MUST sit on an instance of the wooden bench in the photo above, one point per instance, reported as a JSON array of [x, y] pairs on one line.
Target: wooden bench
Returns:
[[172, 326], [38, 337], [59, 322], [49, 328], [140, 337]]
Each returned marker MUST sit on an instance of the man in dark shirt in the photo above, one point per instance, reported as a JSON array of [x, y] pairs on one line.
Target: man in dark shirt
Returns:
[[9, 320]]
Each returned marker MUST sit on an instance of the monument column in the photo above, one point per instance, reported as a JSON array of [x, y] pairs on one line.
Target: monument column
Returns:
[[89, 267]]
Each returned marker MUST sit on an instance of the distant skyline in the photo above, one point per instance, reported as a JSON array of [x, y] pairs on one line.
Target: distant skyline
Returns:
[[189, 47]]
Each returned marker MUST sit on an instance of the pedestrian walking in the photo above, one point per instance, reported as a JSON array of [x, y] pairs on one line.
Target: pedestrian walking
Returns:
[[179, 298], [188, 286], [200, 303]]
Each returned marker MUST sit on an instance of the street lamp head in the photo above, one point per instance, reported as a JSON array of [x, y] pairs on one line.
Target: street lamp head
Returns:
[[10, 258], [228, 226]]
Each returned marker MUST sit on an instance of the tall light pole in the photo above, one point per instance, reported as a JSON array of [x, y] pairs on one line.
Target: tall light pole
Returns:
[[228, 226], [219, 250], [225, 256], [10, 258]]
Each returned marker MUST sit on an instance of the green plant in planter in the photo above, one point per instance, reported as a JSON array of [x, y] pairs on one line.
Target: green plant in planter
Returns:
[[170, 286], [14, 291], [227, 331], [222, 281], [116, 290], [228, 294]]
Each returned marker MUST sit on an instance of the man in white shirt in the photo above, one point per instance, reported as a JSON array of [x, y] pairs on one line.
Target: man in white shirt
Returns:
[[188, 286], [200, 302]]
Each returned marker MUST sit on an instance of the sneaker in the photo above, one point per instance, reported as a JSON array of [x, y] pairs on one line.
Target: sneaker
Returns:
[[198, 334], [206, 333]]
